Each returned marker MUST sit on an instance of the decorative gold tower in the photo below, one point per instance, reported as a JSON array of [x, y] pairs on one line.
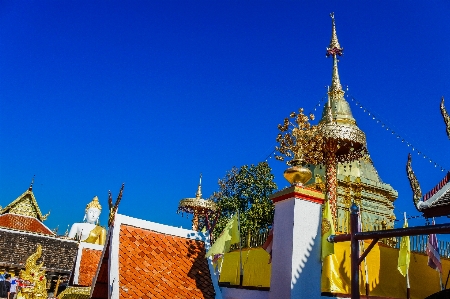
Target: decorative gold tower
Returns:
[[349, 172], [343, 140], [338, 144], [197, 206]]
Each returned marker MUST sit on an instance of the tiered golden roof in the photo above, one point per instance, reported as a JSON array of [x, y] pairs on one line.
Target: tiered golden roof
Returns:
[[197, 206]]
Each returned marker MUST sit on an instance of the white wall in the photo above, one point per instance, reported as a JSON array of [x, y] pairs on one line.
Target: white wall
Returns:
[[233, 293]]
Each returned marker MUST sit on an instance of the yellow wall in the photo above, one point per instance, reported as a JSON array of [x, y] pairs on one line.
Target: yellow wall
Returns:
[[256, 267], [384, 278]]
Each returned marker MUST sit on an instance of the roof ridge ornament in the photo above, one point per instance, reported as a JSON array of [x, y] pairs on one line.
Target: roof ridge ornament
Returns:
[[32, 182], [415, 186], [446, 117]]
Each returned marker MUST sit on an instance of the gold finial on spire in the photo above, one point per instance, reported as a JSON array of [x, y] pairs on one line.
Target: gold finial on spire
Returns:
[[94, 204], [199, 189], [335, 49]]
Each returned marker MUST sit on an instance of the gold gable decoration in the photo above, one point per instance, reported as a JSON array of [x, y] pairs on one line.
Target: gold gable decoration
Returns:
[[25, 205]]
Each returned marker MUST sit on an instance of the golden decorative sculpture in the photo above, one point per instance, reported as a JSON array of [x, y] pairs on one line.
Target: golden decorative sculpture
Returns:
[[446, 117], [34, 277], [302, 142]]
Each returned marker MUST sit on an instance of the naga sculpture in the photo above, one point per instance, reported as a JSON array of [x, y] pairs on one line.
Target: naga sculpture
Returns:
[[34, 278]]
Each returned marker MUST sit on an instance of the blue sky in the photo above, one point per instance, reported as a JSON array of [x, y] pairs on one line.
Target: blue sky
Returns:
[[153, 93]]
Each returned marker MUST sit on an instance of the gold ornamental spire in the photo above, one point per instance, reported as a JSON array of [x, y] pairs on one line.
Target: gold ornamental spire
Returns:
[[198, 195], [337, 105], [334, 43], [334, 49]]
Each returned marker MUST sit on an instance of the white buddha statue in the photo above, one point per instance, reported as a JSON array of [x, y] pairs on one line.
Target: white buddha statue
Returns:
[[89, 231]]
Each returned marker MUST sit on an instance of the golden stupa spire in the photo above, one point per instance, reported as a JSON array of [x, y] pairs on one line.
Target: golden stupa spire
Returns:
[[334, 49], [199, 189]]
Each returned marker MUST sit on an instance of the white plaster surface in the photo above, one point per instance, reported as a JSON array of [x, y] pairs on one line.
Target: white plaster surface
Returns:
[[296, 265], [306, 264], [280, 278], [233, 293]]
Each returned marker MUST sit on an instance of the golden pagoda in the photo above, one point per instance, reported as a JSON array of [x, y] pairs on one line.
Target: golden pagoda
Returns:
[[356, 177]]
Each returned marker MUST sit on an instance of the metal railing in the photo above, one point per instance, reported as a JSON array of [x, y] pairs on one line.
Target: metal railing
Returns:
[[419, 244], [253, 240]]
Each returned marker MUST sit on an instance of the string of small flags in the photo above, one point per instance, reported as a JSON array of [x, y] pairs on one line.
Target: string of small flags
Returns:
[[389, 128], [317, 106]]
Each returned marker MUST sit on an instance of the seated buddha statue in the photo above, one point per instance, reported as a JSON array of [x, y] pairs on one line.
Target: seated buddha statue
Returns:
[[89, 231]]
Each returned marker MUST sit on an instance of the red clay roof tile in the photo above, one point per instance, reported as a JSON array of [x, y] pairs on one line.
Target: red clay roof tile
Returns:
[[88, 266], [24, 223], [155, 265]]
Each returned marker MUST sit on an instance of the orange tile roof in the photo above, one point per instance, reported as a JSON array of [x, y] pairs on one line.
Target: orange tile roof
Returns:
[[24, 223], [156, 265], [142, 259], [90, 259]]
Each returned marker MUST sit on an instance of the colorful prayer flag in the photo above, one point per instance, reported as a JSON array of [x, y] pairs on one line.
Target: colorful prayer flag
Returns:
[[229, 235], [404, 254], [327, 230], [434, 259]]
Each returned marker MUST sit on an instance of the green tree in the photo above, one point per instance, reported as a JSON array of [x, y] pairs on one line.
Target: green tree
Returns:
[[246, 188]]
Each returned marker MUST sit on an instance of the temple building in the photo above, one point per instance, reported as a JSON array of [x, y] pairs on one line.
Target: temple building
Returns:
[[22, 228]]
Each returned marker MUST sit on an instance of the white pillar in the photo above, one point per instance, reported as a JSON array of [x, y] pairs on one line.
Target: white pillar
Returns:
[[296, 265]]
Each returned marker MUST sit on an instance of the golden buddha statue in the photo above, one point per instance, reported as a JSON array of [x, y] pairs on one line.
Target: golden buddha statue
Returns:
[[89, 231]]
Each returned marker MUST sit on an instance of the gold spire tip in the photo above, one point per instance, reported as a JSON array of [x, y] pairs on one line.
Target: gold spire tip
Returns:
[[334, 48]]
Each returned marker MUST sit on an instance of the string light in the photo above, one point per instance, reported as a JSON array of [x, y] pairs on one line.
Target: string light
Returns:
[[378, 121], [398, 136]]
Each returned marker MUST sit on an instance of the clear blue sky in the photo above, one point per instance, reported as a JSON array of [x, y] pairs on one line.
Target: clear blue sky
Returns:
[[153, 93]]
